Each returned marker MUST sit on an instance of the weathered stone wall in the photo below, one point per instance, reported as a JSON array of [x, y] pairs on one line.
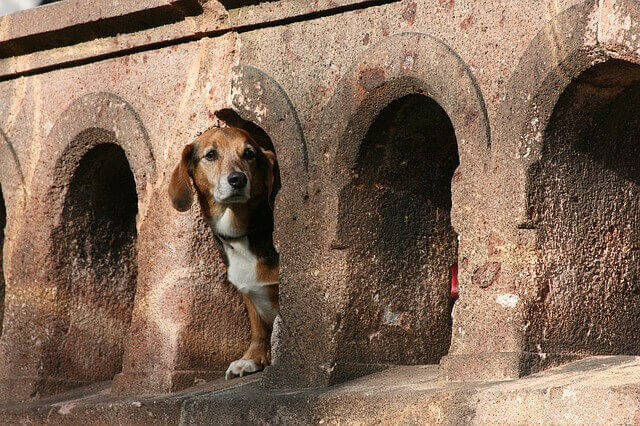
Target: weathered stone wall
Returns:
[[410, 135]]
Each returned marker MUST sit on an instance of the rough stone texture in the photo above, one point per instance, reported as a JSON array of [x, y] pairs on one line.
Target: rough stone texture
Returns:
[[599, 390], [398, 241], [97, 229], [583, 198], [410, 135]]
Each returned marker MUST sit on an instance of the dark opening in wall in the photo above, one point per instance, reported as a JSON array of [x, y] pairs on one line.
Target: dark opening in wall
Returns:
[[3, 223], [395, 220], [585, 203], [96, 256]]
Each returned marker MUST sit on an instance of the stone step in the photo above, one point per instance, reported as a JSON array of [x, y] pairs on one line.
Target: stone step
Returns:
[[593, 390]]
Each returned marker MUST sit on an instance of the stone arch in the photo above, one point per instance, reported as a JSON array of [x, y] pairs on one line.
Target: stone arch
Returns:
[[574, 41], [397, 66], [100, 172], [259, 99], [548, 127], [94, 250], [566, 47], [498, 284], [414, 72], [582, 195], [394, 226], [12, 193], [95, 165], [63, 150], [196, 346]]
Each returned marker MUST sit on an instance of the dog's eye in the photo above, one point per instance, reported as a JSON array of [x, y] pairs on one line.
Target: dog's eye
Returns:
[[249, 154], [211, 155]]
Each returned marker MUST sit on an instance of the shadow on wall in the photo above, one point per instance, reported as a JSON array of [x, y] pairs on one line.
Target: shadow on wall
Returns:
[[234, 4], [584, 203], [95, 253], [395, 219], [3, 223]]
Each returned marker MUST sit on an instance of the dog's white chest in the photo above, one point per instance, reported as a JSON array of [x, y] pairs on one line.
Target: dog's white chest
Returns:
[[225, 225], [241, 272], [242, 265]]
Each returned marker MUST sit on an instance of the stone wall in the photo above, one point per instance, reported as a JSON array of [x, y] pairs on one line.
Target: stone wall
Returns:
[[410, 135]]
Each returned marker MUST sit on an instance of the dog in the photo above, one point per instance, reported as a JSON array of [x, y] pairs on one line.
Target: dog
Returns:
[[234, 179]]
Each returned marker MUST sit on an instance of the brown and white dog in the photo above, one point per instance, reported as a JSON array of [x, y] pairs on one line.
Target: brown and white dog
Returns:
[[233, 178]]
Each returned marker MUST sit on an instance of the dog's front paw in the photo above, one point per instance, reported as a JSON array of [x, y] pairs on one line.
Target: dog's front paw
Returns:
[[241, 367]]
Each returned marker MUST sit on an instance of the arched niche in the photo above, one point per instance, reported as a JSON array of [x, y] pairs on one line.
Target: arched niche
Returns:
[[264, 106], [12, 193], [497, 271], [567, 50], [95, 254], [399, 65], [78, 249], [583, 200], [64, 150], [394, 221], [369, 222], [186, 342]]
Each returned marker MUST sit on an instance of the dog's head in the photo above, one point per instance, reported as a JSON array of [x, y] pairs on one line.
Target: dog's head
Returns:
[[225, 166]]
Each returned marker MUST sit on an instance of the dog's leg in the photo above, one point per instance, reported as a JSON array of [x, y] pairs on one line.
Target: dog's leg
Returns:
[[256, 356]]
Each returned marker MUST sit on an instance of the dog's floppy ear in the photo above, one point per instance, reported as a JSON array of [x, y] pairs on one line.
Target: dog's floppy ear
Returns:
[[180, 187], [271, 181]]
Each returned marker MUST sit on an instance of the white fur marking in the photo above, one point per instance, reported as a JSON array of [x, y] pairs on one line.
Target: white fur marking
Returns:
[[242, 265], [242, 274], [225, 225], [240, 367], [262, 302]]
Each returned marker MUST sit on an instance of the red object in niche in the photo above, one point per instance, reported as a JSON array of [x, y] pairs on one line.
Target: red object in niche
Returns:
[[454, 281]]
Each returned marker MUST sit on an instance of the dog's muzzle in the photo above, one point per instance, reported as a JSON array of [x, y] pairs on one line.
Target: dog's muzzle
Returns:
[[233, 189]]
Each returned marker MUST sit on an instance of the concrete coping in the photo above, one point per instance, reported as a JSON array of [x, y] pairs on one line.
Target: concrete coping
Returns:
[[68, 13], [80, 33]]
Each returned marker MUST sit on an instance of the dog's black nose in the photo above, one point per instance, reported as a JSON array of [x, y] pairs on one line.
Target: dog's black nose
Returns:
[[237, 179]]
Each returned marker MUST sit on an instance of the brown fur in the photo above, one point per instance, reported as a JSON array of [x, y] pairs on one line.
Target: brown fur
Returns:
[[230, 144], [180, 190], [267, 273], [258, 349]]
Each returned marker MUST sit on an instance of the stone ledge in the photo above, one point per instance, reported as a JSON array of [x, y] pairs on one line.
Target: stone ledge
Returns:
[[68, 13], [264, 12], [498, 366], [593, 390], [73, 32], [84, 32]]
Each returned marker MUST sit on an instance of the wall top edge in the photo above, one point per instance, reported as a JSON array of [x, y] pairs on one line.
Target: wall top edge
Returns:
[[81, 31], [68, 13]]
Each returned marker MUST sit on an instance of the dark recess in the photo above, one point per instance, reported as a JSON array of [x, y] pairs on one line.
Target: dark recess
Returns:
[[395, 220], [96, 257], [584, 196], [234, 4], [3, 223]]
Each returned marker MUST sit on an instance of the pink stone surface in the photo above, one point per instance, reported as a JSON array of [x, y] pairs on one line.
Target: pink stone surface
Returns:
[[534, 264]]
